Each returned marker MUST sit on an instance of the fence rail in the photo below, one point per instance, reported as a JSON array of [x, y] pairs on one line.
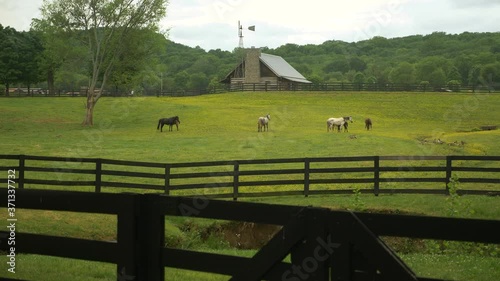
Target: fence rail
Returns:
[[335, 245], [264, 87], [263, 177]]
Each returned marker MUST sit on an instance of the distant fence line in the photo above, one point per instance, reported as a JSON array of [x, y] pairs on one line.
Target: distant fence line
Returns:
[[264, 87], [226, 179]]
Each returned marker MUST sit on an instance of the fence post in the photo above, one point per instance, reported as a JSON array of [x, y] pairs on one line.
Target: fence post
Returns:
[[167, 179], [151, 238], [98, 174], [236, 179], [376, 174], [448, 173], [127, 231], [307, 164], [20, 180]]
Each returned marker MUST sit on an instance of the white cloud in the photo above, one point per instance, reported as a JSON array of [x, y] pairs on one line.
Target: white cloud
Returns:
[[312, 22], [213, 24], [18, 14]]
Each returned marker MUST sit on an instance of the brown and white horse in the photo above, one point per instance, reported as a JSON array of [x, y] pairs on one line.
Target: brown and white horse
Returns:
[[340, 121], [263, 123]]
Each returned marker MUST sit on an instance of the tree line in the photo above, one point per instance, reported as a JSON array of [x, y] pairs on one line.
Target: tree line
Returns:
[[37, 59]]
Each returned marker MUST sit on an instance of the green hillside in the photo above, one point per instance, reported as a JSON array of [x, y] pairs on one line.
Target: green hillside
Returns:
[[438, 59]]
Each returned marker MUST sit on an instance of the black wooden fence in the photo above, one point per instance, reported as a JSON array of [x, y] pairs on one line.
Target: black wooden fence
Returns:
[[264, 87], [323, 244], [352, 87], [263, 177]]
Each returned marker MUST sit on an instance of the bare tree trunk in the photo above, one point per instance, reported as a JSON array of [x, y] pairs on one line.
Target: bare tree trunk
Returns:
[[50, 81], [89, 112]]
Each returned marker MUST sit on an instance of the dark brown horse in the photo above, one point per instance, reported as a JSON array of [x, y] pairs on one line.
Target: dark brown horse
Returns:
[[368, 123], [346, 127], [171, 121]]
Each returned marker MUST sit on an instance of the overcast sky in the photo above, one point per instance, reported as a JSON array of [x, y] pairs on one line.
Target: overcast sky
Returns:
[[214, 24]]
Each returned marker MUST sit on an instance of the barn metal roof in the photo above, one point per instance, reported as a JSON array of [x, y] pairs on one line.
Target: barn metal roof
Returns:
[[282, 68]]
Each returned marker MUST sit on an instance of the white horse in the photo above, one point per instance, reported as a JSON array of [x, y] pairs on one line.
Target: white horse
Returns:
[[263, 123], [340, 121]]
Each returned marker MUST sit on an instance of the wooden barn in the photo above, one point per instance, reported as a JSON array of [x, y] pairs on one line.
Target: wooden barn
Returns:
[[264, 71]]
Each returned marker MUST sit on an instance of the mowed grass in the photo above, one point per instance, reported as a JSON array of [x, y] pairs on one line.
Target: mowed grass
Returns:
[[224, 127]]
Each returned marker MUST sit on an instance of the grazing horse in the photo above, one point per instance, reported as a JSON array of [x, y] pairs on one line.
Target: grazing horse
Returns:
[[263, 123], [341, 121], [171, 121], [346, 125], [368, 123]]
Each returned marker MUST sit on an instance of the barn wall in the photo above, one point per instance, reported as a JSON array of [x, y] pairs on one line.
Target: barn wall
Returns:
[[269, 79]]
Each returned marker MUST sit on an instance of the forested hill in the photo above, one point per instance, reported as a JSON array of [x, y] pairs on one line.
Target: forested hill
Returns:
[[437, 58]]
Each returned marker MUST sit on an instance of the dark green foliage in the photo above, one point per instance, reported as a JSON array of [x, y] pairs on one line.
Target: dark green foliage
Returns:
[[19, 58], [404, 72], [441, 59], [437, 58]]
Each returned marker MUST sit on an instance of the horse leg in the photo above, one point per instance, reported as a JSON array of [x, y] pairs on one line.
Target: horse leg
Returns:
[[161, 128]]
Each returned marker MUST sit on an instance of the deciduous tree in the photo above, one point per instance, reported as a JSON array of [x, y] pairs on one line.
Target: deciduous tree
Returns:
[[403, 73], [10, 57], [101, 26]]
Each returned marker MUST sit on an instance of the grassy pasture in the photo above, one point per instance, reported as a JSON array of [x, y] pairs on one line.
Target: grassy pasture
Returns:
[[223, 127]]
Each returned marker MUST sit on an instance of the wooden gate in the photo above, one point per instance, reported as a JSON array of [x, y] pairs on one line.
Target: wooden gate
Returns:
[[321, 244]]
